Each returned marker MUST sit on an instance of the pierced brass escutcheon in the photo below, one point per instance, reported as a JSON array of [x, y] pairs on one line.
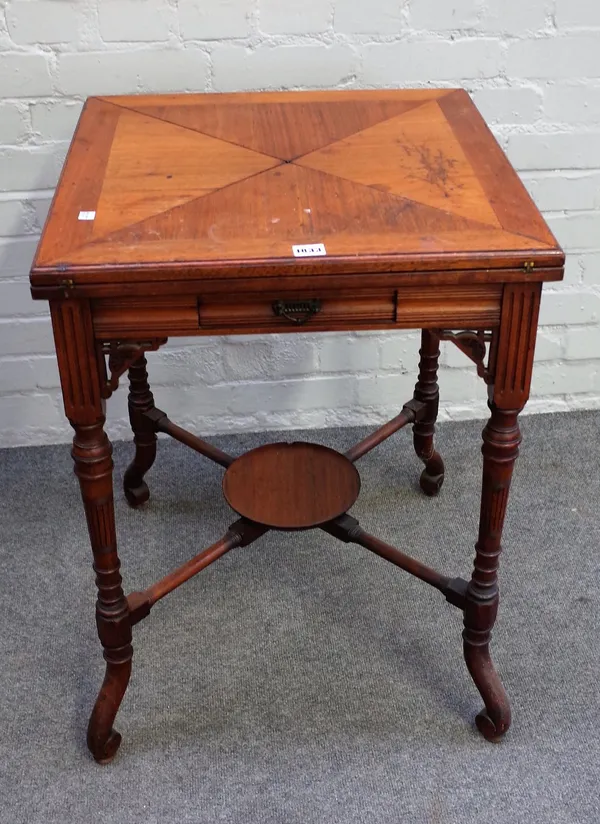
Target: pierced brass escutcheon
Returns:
[[296, 311]]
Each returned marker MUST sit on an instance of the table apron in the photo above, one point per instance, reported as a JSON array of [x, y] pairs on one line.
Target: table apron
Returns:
[[469, 306]]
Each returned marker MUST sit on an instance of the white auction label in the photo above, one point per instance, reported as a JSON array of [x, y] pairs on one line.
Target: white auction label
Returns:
[[87, 215], [309, 250]]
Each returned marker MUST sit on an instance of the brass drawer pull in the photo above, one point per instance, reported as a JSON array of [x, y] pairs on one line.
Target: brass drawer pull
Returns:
[[296, 311]]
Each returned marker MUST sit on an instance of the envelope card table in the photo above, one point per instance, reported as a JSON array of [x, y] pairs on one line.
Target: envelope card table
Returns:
[[208, 214]]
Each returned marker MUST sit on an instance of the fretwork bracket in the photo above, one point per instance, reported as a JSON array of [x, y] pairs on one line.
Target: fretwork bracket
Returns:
[[473, 343], [121, 355]]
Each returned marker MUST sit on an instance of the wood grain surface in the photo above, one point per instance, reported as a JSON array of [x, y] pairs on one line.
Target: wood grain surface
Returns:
[[204, 186], [291, 485]]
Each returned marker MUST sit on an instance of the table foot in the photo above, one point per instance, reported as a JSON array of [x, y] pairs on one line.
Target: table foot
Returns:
[[136, 495], [105, 753], [103, 741], [494, 720], [432, 477], [493, 732]]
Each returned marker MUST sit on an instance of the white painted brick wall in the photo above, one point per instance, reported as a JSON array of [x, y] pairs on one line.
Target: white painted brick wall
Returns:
[[431, 15], [54, 120], [224, 20], [504, 105], [558, 150], [532, 68], [438, 60], [23, 75], [160, 69], [515, 17], [572, 102], [379, 17], [270, 67], [42, 21], [295, 16], [144, 21], [564, 190], [577, 14], [13, 123]]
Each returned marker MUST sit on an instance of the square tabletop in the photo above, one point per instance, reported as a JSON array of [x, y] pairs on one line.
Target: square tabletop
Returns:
[[201, 185]]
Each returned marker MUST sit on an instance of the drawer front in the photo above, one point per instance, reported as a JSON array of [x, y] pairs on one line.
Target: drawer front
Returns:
[[407, 307], [279, 313], [449, 306]]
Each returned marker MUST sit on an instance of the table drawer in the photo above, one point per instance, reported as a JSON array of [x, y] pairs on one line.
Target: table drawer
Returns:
[[474, 306], [408, 307], [279, 312]]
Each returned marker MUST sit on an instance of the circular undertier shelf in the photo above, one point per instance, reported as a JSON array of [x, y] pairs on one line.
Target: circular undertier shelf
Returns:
[[291, 485]]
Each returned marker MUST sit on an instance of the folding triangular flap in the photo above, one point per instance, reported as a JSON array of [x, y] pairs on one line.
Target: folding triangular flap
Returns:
[[293, 205], [175, 165], [283, 130], [415, 155]]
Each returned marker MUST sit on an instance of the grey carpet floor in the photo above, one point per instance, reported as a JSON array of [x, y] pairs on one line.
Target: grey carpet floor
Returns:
[[303, 680]]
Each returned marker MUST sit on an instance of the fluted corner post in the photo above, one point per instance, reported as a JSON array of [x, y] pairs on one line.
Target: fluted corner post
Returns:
[[501, 439], [92, 454], [427, 391], [140, 401]]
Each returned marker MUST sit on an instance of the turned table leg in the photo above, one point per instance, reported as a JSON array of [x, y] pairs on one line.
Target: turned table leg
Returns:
[[92, 454], [141, 401], [80, 378], [508, 393], [501, 438], [427, 391]]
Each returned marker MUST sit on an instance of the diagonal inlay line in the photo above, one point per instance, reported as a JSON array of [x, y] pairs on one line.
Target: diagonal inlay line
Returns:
[[187, 128], [414, 155], [380, 210], [102, 238], [176, 165], [416, 203], [349, 215], [506, 194], [358, 131], [350, 209], [285, 130]]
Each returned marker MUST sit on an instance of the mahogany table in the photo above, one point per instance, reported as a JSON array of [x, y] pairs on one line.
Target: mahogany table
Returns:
[[257, 213]]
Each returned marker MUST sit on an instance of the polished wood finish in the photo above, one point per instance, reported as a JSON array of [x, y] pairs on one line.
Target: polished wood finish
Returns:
[[501, 439], [348, 529], [423, 161], [411, 412], [141, 401], [427, 392], [270, 125], [163, 424], [516, 214], [241, 533], [93, 466], [352, 308], [291, 485], [197, 202], [138, 185], [383, 180], [92, 455]]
